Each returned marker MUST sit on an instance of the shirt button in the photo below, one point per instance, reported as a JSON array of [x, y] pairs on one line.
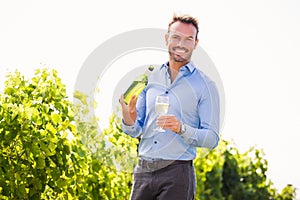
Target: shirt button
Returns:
[[155, 142]]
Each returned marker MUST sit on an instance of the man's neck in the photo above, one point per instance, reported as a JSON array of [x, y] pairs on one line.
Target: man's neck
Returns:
[[174, 69], [177, 65]]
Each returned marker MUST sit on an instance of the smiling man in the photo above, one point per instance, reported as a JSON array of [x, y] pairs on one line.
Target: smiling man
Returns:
[[165, 168]]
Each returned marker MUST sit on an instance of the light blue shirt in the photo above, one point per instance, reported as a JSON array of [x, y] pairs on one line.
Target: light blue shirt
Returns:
[[193, 99]]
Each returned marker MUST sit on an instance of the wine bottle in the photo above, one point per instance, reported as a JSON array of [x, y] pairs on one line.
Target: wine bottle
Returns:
[[137, 85]]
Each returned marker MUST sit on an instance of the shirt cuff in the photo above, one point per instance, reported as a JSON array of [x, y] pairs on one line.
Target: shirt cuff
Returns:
[[189, 134], [128, 128], [200, 137]]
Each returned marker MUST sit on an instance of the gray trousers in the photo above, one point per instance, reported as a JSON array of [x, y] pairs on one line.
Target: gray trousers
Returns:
[[162, 180]]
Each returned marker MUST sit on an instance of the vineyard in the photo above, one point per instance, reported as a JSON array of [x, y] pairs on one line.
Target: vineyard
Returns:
[[51, 148]]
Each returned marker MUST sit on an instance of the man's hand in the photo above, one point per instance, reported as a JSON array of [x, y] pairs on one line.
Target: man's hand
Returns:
[[169, 122], [129, 111]]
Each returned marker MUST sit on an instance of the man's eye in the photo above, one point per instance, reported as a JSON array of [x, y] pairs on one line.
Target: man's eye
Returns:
[[175, 37]]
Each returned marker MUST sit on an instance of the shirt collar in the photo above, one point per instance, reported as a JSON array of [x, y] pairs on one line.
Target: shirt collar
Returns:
[[190, 66]]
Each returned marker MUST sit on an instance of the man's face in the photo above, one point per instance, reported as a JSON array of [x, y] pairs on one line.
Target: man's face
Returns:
[[181, 41]]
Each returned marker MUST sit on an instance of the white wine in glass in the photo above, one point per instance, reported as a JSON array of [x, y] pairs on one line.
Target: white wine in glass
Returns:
[[161, 108]]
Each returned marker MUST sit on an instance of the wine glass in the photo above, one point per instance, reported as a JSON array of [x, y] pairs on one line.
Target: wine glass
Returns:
[[161, 108]]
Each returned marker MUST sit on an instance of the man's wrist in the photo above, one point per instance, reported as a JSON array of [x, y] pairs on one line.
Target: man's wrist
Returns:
[[127, 123]]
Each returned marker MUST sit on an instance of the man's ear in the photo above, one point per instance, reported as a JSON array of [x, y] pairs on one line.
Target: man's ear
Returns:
[[167, 38], [196, 43]]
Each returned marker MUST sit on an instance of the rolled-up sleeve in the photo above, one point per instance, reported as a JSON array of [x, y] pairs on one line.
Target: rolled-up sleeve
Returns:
[[132, 131]]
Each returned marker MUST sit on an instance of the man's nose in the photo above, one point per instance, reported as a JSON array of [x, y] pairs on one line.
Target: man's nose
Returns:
[[180, 43]]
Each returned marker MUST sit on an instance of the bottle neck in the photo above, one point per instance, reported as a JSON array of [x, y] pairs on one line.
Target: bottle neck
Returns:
[[149, 70]]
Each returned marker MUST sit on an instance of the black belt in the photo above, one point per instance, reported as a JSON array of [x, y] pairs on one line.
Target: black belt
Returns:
[[153, 165]]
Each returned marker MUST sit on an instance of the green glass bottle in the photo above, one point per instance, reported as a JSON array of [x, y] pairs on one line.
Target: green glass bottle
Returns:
[[137, 85]]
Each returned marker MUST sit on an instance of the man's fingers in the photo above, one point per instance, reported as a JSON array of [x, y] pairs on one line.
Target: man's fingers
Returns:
[[132, 101], [167, 117], [168, 122], [123, 103], [121, 100]]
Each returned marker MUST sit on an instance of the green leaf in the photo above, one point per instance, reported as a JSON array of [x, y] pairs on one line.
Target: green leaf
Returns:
[[50, 128], [80, 96], [52, 147], [21, 192], [56, 118], [40, 164]]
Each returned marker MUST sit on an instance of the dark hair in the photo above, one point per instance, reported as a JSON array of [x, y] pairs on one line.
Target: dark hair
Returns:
[[185, 19]]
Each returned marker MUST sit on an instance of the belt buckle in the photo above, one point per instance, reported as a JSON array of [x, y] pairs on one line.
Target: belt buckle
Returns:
[[150, 165]]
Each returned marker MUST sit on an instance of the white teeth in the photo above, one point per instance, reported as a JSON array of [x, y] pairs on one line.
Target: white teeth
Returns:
[[180, 51]]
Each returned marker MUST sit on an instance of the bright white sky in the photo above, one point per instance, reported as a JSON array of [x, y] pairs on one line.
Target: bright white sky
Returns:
[[255, 46]]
